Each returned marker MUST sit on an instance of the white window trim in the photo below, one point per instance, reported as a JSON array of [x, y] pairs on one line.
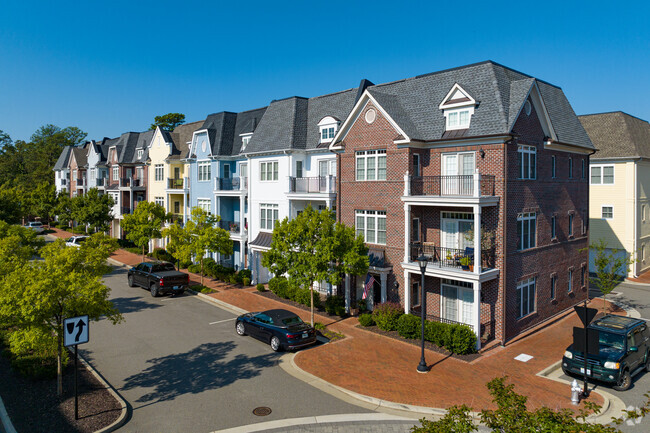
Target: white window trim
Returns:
[[159, 169], [273, 208], [327, 123], [601, 212], [526, 285], [274, 173], [199, 165], [457, 111], [140, 152], [571, 221], [416, 165], [602, 174], [376, 216], [522, 151], [524, 217], [366, 155], [202, 202]]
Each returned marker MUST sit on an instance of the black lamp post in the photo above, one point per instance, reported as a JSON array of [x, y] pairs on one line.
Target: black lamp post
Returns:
[[422, 261]]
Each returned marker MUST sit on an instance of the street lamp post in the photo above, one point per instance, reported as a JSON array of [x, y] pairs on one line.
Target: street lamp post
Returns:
[[422, 261]]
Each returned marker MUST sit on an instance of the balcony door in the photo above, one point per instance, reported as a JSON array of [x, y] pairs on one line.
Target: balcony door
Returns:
[[457, 301], [456, 167], [457, 228]]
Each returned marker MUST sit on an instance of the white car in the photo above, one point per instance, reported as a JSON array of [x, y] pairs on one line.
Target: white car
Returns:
[[76, 241], [37, 226]]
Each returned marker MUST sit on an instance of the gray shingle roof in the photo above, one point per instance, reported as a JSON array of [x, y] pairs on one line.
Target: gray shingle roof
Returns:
[[500, 93], [62, 162], [80, 156], [128, 144], [180, 137], [247, 122], [617, 135]]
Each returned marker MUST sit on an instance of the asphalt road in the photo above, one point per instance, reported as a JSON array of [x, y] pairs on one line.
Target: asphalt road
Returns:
[[182, 368]]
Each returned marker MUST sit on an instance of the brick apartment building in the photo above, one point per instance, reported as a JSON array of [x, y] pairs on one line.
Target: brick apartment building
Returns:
[[474, 162]]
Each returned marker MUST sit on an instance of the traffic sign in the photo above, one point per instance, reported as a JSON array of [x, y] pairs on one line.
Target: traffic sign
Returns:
[[586, 314], [75, 331]]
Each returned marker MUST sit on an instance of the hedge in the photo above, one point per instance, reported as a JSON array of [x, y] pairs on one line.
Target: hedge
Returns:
[[335, 305], [283, 289], [386, 315], [409, 326], [162, 254], [455, 338], [366, 320]]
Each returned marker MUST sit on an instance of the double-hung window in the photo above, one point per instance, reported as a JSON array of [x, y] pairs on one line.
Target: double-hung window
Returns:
[[526, 230], [159, 172], [116, 172], [204, 171], [570, 286], [527, 162], [570, 224], [602, 174], [205, 204], [268, 216], [372, 226], [269, 171], [553, 233], [371, 165], [526, 297]]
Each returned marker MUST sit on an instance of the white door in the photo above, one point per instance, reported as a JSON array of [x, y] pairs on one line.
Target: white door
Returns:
[[449, 180], [457, 171], [457, 304], [456, 233], [450, 233]]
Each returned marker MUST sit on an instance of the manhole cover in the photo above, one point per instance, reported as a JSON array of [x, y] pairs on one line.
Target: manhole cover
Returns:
[[262, 411]]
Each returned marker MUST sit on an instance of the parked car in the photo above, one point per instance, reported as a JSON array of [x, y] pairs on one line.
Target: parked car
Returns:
[[624, 351], [282, 329], [37, 226], [161, 278], [76, 241]]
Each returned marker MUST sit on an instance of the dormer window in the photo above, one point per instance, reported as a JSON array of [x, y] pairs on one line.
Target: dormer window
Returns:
[[327, 128], [140, 152], [245, 139], [458, 107]]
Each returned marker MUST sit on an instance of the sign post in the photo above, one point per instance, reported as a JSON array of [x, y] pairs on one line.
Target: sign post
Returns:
[[75, 332], [585, 340]]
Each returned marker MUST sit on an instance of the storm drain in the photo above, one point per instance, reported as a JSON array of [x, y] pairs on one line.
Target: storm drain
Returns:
[[262, 411]]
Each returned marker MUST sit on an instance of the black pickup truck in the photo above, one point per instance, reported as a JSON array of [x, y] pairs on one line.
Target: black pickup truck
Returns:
[[160, 278]]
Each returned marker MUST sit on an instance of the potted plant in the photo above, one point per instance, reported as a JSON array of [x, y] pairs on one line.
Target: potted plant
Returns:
[[466, 263]]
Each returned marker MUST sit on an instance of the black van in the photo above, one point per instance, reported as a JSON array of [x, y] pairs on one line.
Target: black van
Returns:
[[624, 344]]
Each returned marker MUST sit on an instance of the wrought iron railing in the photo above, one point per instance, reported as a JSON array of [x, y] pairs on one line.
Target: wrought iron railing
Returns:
[[175, 183], [101, 181], [177, 218], [451, 185], [231, 183], [452, 257], [80, 181], [312, 184], [130, 182]]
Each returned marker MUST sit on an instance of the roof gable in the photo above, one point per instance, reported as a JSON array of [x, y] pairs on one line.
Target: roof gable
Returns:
[[617, 135]]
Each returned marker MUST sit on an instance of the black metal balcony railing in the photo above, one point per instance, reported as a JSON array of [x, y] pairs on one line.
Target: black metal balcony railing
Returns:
[[130, 182], [126, 211], [458, 185], [175, 183], [231, 183], [231, 226], [80, 181], [451, 257], [101, 181], [312, 184]]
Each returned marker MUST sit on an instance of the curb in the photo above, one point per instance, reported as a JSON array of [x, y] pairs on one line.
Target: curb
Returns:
[[121, 420], [218, 303], [634, 283], [4, 418]]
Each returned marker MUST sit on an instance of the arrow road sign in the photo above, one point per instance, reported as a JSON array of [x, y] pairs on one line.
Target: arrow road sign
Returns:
[[75, 331]]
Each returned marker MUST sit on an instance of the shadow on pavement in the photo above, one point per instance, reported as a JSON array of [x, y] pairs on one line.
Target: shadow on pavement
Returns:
[[131, 305], [201, 369]]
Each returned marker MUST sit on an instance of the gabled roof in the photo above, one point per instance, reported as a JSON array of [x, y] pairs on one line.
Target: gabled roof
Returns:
[[128, 144], [617, 135], [80, 156], [181, 136], [62, 162], [499, 92]]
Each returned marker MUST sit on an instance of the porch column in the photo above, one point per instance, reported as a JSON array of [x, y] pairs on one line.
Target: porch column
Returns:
[[477, 183], [241, 215], [407, 292], [347, 293], [476, 313], [407, 231], [241, 254], [477, 239], [383, 277]]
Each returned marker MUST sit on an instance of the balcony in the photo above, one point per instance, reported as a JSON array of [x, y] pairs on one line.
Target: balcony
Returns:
[[309, 185], [231, 226], [470, 185], [231, 183], [80, 182], [177, 219], [64, 182], [101, 182], [451, 258], [131, 182], [126, 211]]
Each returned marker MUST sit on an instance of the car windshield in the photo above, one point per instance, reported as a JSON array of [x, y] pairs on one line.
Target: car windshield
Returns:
[[295, 320], [163, 267], [616, 341]]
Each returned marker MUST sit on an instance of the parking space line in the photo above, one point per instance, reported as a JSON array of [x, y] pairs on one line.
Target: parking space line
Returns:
[[221, 321]]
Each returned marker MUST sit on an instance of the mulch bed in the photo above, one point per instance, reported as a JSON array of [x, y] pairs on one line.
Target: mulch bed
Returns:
[[33, 405], [427, 344]]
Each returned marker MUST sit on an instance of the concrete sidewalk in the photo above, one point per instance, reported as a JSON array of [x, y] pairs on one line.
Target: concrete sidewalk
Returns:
[[380, 368]]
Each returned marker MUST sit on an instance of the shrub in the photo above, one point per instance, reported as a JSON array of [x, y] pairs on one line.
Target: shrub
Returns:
[[208, 262], [334, 304], [386, 315], [162, 254], [202, 289], [302, 296], [362, 305], [245, 273], [232, 279], [195, 269], [279, 286], [261, 288], [409, 326], [436, 333], [462, 340], [366, 319], [79, 230], [246, 281], [185, 264]]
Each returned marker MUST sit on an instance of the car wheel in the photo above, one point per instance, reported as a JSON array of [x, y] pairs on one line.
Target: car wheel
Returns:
[[131, 281], [624, 381], [240, 328], [275, 344], [154, 290]]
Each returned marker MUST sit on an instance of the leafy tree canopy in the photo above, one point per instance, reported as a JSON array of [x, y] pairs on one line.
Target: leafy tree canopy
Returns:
[[611, 268], [168, 121], [94, 209], [144, 224], [4, 139]]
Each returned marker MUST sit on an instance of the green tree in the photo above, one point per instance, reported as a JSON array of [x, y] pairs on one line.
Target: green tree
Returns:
[[38, 295], [611, 267], [42, 201], [4, 139], [197, 237], [144, 224], [512, 416], [93, 209], [313, 247], [168, 121], [11, 200], [63, 208]]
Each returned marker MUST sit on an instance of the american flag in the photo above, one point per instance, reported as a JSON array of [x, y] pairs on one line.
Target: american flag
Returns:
[[370, 280]]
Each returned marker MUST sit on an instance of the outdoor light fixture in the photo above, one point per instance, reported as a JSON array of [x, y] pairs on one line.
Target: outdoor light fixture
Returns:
[[422, 261], [481, 152]]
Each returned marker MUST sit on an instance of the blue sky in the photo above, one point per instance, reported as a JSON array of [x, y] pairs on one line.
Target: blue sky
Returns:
[[110, 67]]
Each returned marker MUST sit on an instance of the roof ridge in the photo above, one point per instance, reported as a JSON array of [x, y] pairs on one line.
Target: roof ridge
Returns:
[[613, 112], [497, 91], [334, 93], [289, 97]]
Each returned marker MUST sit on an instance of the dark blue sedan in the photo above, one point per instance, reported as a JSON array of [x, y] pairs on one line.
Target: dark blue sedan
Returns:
[[282, 329]]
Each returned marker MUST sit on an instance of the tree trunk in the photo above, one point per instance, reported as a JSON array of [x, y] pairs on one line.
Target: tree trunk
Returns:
[[311, 291], [201, 271], [143, 253], [59, 364]]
